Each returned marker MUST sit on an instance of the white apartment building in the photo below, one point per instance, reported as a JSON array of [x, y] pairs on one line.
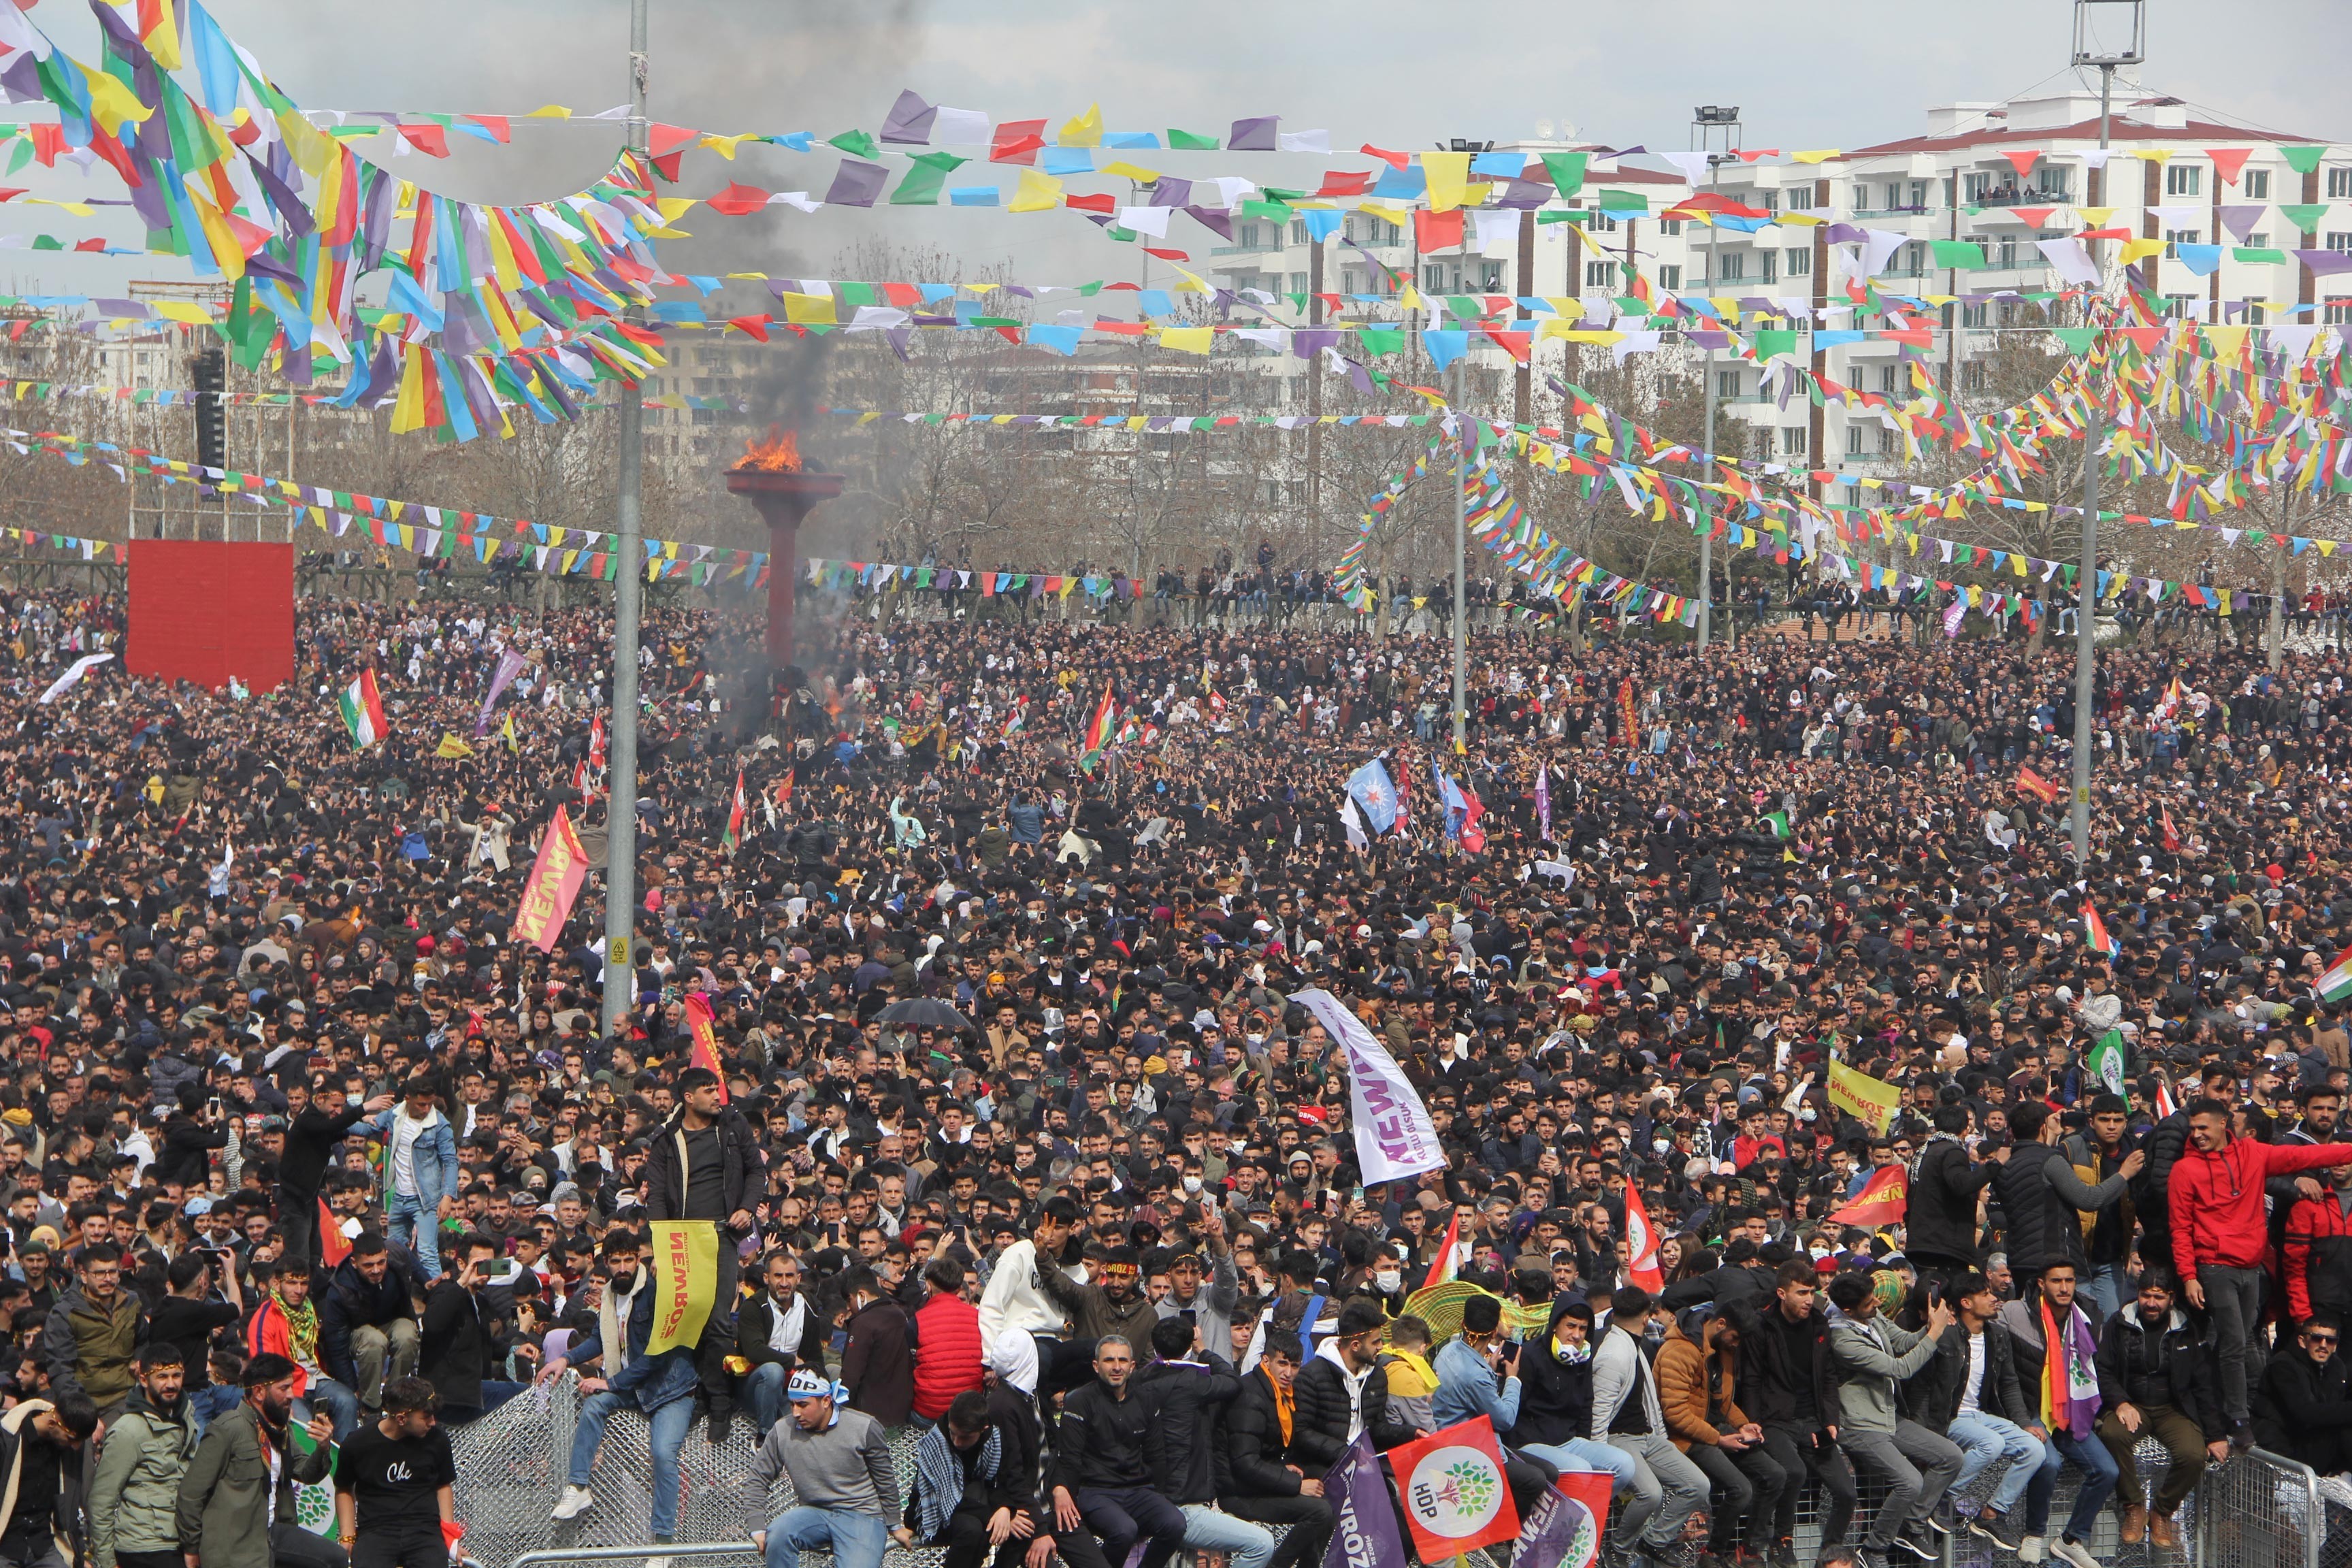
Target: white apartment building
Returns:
[[1961, 180]]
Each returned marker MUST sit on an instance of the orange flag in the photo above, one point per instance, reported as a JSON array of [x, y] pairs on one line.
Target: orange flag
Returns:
[[333, 1245], [1881, 1200]]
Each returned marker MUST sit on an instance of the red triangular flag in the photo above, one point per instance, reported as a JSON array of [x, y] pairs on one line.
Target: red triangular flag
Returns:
[[705, 1050], [333, 1245]]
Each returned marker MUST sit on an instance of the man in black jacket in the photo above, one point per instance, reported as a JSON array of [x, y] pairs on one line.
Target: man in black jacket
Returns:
[[2043, 1200], [367, 1323], [458, 1344], [1970, 1394], [1325, 1412], [1254, 1481], [1787, 1386], [776, 1330], [2303, 1407], [2151, 1354], [1191, 1389], [1106, 1451], [1939, 1217], [321, 1120], [705, 1164]]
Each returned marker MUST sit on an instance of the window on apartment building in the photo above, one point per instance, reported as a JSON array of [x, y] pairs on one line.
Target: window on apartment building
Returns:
[[2176, 306], [1602, 223], [2337, 312], [1975, 315], [1670, 278], [1915, 258], [2259, 239], [1792, 440], [1772, 264], [1299, 231], [1918, 201], [1886, 380], [2055, 179], [1603, 274], [2183, 180], [2176, 237], [2339, 240], [1770, 202], [1490, 276], [1797, 261], [1670, 227], [1301, 281], [1889, 442], [1432, 277], [1975, 184], [1861, 197], [1247, 236], [1351, 280], [1893, 195], [1726, 384], [1854, 440], [1731, 267], [2257, 183], [2256, 312], [2339, 184], [1972, 375], [2005, 254]]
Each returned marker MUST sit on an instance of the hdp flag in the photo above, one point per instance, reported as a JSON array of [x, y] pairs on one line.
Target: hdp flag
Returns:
[[2107, 1061], [1375, 795]]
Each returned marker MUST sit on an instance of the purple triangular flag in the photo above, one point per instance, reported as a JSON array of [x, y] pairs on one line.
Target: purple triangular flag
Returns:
[[2241, 220], [1221, 222], [1170, 191], [1254, 135], [909, 120], [856, 184]]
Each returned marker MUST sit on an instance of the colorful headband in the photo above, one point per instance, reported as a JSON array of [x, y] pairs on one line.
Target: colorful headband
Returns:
[[807, 1384]]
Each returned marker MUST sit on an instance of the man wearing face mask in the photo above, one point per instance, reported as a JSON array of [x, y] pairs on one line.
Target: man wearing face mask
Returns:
[[236, 1501]]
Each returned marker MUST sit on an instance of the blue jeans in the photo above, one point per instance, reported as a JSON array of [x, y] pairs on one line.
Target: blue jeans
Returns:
[[763, 1395], [1984, 1439], [2098, 1469], [2104, 1285], [342, 1406], [858, 1540], [1584, 1454], [402, 1228], [668, 1436], [1207, 1528]]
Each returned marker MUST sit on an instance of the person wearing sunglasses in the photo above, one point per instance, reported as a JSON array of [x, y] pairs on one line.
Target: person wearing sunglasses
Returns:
[[2302, 1407]]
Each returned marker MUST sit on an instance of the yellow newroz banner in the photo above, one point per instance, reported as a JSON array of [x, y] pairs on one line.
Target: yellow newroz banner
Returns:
[[1865, 1099], [686, 1282]]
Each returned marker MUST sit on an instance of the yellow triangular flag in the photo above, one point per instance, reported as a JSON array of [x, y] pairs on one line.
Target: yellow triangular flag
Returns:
[[1086, 131], [1038, 192], [1448, 175]]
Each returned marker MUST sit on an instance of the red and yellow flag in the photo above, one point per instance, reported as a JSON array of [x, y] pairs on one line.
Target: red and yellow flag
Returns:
[[1881, 1200], [704, 1053]]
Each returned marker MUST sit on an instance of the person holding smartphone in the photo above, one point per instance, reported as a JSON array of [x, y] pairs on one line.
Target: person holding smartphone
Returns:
[[1477, 1374]]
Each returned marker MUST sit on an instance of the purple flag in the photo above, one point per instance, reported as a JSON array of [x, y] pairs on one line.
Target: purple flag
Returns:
[[1170, 191], [2240, 220], [1367, 1531], [1559, 1531], [2326, 263], [909, 120], [1254, 135], [856, 184], [511, 663]]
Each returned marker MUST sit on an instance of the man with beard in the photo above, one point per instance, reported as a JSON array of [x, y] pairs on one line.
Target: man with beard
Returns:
[[662, 1387], [37, 1441], [134, 1496], [236, 1501], [1116, 1305], [705, 1165]]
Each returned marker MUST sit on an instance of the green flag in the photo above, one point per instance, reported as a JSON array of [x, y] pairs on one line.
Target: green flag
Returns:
[[1777, 822], [2107, 1061]]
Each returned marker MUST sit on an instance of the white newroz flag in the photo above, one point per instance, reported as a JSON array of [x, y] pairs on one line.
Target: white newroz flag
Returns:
[[1394, 1136]]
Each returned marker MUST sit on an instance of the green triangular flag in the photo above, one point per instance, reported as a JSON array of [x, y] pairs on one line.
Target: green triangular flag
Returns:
[[1567, 171], [2304, 216], [2302, 160], [857, 143], [1187, 141], [2078, 339]]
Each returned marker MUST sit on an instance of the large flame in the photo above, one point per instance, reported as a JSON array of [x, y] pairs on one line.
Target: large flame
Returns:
[[779, 454]]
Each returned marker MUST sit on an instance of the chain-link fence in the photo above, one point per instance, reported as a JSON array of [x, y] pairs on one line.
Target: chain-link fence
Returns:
[[2261, 1510]]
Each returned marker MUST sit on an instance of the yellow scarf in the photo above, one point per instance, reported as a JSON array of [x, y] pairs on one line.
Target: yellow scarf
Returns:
[[1419, 1379]]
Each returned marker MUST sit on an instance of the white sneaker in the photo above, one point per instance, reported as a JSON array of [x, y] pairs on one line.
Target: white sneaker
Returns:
[[2033, 1549], [2073, 1551], [575, 1501]]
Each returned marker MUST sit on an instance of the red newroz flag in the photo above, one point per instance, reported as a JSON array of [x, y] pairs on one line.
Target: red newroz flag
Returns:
[[1881, 1201], [1641, 1246], [333, 1245], [2037, 786], [705, 1052]]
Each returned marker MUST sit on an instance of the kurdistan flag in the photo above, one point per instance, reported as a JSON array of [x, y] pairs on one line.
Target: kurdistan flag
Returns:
[[1098, 731], [733, 837], [362, 711], [2336, 982]]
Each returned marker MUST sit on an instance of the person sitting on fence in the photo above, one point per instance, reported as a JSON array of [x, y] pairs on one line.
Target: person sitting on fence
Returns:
[[2303, 1411], [1976, 1398], [660, 1385], [969, 1496], [1106, 1447], [2150, 1353], [777, 1332], [2068, 1394], [1872, 1355], [845, 1487]]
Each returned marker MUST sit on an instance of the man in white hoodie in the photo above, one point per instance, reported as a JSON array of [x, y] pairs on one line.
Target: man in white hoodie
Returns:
[[1016, 1302]]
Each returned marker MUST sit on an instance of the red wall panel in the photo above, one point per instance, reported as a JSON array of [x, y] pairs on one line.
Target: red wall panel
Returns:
[[203, 612]]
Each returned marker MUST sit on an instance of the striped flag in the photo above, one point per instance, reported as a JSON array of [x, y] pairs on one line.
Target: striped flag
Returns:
[[363, 709], [1449, 1256], [2336, 982], [2095, 929], [1098, 731], [732, 839]]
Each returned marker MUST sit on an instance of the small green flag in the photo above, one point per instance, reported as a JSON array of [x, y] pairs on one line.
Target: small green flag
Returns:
[[1188, 140], [1777, 822], [2107, 1061]]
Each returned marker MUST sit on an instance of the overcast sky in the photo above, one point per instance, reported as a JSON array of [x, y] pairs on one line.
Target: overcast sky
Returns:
[[1827, 73]]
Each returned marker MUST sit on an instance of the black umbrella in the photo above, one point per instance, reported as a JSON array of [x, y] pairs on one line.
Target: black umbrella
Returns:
[[925, 1013]]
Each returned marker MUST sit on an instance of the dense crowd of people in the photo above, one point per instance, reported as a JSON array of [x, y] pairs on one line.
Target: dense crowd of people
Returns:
[[305, 1157]]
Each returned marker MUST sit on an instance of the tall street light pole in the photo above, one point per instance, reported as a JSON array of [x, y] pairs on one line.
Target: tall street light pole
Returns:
[[1461, 583], [1706, 118], [628, 588], [2087, 586]]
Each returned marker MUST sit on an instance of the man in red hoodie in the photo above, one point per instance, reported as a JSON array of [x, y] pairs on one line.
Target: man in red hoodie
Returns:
[[2219, 1239]]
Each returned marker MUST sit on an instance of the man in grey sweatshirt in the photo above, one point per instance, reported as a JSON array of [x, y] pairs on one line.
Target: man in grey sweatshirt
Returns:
[[1870, 1355], [844, 1488]]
